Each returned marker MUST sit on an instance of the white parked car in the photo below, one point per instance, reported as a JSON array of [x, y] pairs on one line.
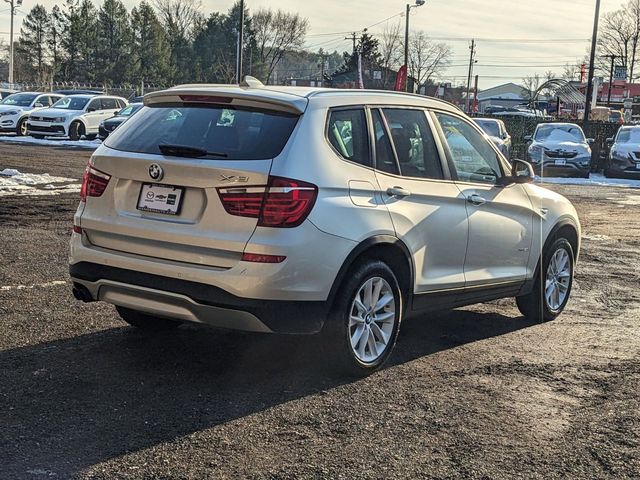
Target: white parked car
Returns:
[[15, 109], [74, 116], [306, 210]]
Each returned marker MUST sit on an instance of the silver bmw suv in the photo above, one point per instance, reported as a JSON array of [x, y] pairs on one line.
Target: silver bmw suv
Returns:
[[305, 210]]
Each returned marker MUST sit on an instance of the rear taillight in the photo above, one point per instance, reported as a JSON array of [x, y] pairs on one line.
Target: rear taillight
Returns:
[[282, 203], [94, 183]]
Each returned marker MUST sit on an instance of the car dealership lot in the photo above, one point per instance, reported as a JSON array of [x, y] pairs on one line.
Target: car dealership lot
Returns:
[[477, 392]]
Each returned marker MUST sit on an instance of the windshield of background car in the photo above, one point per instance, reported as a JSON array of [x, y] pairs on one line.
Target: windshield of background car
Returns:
[[70, 103], [560, 133], [628, 135], [491, 128], [19, 100], [237, 133]]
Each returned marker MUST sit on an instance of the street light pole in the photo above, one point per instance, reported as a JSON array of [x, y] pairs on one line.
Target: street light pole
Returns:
[[419, 3], [13, 12], [592, 64], [240, 44]]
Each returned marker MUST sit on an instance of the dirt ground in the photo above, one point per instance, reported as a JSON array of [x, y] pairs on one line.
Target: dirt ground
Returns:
[[475, 393]]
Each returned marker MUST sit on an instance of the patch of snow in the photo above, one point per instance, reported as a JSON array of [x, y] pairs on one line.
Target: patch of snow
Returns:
[[14, 182], [54, 283], [52, 142], [595, 179]]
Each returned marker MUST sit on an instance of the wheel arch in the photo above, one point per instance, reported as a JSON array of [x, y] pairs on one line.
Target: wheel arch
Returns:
[[387, 248]]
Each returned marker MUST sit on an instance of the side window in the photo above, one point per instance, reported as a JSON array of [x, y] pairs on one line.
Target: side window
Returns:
[[415, 146], [42, 101], [385, 159], [109, 104], [121, 103], [347, 132], [473, 158], [94, 105]]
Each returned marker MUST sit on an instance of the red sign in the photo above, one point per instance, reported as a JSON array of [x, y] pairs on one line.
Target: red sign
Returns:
[[583, 72], [401, 79]]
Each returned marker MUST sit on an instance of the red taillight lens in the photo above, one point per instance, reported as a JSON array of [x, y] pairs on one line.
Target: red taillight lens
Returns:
[[260, 258], [94, 183], [283, 203], [77, 229]]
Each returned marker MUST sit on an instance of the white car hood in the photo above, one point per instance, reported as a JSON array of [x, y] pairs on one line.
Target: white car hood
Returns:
[[9, 108], [566, 145]]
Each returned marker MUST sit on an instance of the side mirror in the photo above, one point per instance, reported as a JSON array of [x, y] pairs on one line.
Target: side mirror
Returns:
[[38, 104], [505, 135], [591, 141], [521, 172], [527, 138], [91, 109], [610, 141]]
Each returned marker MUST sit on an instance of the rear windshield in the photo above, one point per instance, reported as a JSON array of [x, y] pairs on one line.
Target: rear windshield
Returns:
[[491, 128], [238, 133]]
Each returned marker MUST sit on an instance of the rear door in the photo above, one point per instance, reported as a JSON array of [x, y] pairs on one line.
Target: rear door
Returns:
[[93, 115], [427, 209], [195, 209]]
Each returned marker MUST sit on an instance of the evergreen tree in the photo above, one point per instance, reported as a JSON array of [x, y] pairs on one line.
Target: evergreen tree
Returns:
[[33, 42], [54, 39], [150, 51], [79, 41], [113, 42]]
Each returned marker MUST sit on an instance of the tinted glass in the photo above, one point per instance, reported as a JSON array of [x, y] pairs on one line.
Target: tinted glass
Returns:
[[348, 134], [473, 157], [71, 103], [628, 135], [19, 99], [385, 159], [491, 128], [240, 134], [109, 104], [414, 143]]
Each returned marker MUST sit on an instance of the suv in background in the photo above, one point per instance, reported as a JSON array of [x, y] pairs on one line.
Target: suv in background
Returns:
[[624, 155], [560, 149], [497, 132], [15, 109], [306, 210], [74, 116], [110, 124]]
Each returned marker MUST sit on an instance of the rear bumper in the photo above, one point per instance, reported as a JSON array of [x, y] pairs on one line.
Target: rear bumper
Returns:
[[196, 302]]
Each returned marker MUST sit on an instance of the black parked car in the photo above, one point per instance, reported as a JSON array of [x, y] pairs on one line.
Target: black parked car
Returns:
[[109, 125]]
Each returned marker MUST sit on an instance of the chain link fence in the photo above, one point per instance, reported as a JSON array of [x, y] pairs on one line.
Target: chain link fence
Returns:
[[128, 91], [519, 127]]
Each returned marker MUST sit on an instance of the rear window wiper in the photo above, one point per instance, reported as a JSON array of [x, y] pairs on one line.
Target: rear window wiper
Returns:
[[187, 151]]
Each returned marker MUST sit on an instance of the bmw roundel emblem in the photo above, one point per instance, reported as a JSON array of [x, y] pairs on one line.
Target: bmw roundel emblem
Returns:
[[155, 171]]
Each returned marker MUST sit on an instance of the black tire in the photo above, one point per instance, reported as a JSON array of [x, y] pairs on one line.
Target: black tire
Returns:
[[76, 131], [336, 335], [92, 136], [534, 305], [21, 128], [147, 323]]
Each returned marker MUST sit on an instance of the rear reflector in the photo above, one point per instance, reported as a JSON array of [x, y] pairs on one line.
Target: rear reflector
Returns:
[[94, 183], [282, 203], [260, 258], [77, 229]]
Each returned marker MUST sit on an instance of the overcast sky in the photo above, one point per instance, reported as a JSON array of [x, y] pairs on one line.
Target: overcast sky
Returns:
[[530, 36]]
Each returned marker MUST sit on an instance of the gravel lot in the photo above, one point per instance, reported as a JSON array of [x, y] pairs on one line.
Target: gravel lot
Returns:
[[473, 393]]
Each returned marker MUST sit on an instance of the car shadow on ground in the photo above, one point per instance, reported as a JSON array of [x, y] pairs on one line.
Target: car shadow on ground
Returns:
[[69, 404]]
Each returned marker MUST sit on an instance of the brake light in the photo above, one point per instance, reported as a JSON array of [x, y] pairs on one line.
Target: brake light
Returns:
[[282, 203], [94, 183]]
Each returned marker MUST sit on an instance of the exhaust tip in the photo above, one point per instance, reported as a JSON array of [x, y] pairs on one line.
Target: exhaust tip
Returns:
[[80, 292]]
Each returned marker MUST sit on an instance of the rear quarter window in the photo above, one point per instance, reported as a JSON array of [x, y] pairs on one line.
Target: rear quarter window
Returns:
[[238, 133]]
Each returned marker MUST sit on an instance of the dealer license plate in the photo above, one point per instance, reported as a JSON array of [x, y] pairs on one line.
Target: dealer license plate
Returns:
[[160, 198], [560, 162]]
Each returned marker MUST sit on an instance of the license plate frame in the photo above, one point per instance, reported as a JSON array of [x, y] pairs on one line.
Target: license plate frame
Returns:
[[166, 205], [561, 162]]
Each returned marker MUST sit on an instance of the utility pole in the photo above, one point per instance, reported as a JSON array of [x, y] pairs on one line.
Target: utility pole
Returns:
[[352, 37], [472, 58], [475, 94], [592, 65], [613, 60], [418, 3], [240, 44], [13, 4]]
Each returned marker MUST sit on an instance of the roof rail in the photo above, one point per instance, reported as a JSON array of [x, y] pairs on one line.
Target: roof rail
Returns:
[[251, 82]]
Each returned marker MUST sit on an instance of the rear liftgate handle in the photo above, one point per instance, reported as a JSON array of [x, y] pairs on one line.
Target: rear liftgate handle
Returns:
[[398, 192]]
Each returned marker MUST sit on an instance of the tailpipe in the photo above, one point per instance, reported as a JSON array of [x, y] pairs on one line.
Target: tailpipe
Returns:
[[80, 292]]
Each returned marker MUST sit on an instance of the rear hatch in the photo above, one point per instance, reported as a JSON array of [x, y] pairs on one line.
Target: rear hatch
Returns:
[[156, 187]]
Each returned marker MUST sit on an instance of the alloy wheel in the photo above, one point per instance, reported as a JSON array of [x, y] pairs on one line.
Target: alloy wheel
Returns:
[[558, 279], [372, 319]]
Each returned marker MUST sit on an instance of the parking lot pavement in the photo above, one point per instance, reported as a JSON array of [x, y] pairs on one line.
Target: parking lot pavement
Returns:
[[473, 393]]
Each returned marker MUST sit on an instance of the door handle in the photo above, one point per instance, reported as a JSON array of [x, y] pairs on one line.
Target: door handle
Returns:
[[476, 199], [398, 192]]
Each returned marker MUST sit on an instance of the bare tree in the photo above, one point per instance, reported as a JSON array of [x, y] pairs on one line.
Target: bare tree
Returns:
[[179, 17], [571, 72], [620, 37], [275, 33], [530, 86], [426, 57], [391, 51]]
